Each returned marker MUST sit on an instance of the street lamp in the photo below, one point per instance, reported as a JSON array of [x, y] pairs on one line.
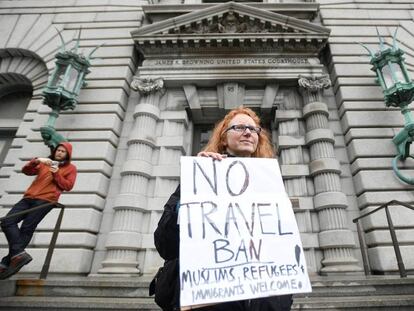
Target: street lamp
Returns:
[[63, 87], [398, 89]]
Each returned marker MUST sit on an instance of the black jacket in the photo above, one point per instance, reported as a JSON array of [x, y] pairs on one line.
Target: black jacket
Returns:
[[167, 234]]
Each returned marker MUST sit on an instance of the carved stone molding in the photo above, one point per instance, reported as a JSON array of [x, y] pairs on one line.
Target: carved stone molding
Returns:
[[232, 22], [146, 86], [230, 26], [314, 83]]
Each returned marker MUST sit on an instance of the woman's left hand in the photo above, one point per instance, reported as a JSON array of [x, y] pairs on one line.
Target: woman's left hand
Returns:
[[214, 155]]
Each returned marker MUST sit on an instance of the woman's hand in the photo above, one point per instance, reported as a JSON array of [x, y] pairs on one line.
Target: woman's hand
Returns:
[[214, 155]]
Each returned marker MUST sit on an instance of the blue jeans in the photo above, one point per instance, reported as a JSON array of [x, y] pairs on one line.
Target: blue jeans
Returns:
[[19, 238]]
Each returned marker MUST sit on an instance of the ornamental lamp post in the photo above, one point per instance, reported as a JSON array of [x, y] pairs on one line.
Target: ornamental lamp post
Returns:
[[63, 87], [398, 89]]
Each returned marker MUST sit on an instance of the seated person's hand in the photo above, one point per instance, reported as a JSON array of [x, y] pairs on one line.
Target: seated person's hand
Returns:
[[46, 161], [53, 169]]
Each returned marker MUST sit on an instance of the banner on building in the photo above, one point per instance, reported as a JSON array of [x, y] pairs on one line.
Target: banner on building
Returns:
[[238, 234]]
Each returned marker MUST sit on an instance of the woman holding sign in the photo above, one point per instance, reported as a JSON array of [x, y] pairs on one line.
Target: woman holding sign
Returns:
[[238, 135]]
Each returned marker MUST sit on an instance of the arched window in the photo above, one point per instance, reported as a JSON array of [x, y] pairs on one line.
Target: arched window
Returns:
[[23, 74], [15, 94]]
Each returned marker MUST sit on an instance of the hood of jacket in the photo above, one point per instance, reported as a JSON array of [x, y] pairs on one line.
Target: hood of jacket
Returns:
[[68, 147]]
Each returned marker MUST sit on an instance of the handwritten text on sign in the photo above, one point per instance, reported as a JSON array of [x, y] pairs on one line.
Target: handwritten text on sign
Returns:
[[238, 234]]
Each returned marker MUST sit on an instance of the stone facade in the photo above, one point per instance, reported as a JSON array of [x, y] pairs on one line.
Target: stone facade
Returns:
[[166, 73]]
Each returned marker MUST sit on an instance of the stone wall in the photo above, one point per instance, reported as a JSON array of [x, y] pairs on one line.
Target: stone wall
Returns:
[[105, 131], [94, 127], [367, 124]]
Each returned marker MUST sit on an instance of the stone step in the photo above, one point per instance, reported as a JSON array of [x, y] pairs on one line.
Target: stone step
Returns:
[[371, 303], [360, 303], [365, 286], [84, 287], [138, 287], [382, 293], [76, 303]]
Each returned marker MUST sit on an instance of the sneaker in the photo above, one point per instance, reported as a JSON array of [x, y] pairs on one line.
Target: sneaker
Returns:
[[16, 263]]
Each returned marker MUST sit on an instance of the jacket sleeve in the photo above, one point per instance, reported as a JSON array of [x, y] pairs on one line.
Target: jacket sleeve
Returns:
[[167, 235], [31, 168], [66, 180]]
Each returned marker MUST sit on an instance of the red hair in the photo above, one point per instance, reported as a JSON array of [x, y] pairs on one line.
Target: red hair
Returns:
[[217, 141]]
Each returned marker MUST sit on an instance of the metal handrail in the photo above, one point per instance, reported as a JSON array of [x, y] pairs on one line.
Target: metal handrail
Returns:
[[51, 248], [363, 244]]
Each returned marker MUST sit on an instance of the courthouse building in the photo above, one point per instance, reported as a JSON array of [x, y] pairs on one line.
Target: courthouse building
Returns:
[[168, 70]]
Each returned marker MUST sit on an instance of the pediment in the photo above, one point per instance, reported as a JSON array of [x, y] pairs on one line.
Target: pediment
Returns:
[[232, 24]]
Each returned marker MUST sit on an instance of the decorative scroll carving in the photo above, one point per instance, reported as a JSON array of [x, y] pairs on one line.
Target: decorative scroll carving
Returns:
[[231, 22], [314, 83], [146, 86]]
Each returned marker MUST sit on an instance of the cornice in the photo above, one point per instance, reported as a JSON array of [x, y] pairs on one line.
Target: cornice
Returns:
[[233, 27], [209, 13], [305, 11], [234, 43]]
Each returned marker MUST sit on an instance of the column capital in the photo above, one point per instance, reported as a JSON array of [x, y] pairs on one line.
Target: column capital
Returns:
[[314, 83], [146, 86]]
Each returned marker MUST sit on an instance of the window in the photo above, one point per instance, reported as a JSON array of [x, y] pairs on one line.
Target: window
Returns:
[[201, 136], [6, 138], [13, 106]]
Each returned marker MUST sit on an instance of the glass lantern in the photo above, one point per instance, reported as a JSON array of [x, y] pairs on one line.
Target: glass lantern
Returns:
[[63, 87], [398, 89]]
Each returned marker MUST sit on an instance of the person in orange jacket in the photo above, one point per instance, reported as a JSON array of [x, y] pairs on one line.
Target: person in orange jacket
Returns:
[[54, 175]]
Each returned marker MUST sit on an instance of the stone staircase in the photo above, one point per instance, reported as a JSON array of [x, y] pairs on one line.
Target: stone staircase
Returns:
[[385, 293]]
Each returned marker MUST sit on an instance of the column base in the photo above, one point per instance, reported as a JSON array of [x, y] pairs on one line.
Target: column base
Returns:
[[120, 266], [99, 275], [120, 270], [342, 270]]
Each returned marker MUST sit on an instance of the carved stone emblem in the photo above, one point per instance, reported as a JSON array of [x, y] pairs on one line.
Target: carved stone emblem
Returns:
[[231, 22], [314, 83], [146, 86]]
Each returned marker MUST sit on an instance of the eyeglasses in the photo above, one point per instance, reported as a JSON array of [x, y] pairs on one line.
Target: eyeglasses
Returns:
[[242, 128]]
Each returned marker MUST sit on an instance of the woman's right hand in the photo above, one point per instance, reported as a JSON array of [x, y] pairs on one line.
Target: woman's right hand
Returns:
[[214, 155]]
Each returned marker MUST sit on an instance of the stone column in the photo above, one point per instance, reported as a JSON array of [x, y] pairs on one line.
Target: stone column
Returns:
[[335, 238], [294, 162], [124, 242]]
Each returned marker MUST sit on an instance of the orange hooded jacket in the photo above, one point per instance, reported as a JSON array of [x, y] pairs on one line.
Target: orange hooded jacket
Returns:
[[48, 186]]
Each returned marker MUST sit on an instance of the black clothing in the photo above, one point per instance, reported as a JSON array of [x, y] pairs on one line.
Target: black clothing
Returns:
[[167, 240], [166, 236], [19, 238]]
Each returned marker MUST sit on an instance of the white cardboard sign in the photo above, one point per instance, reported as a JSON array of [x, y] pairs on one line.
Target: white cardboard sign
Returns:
[[238, 234]]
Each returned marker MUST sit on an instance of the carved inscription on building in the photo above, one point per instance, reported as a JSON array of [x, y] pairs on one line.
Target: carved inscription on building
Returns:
[[197, 62]]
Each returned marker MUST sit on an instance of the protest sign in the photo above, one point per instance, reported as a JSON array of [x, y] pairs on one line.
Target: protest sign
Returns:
[[238, 234]]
